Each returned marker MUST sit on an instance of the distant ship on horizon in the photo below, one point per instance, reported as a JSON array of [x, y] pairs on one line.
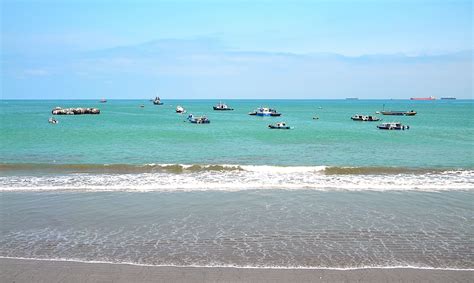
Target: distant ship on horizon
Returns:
[[423, 98], [448, 98]]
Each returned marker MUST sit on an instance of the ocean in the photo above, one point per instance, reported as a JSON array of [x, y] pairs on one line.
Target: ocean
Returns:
[[144, 186]]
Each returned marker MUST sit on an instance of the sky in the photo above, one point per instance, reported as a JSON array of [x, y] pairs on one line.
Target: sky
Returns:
[[82, 49]]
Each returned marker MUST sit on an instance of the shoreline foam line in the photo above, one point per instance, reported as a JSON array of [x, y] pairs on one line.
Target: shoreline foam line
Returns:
[[244, 267], [241, 180]]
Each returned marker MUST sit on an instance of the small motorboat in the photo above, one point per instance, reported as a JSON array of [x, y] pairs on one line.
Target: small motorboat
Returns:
[[53, 120], [280, 126], [198, 120], [393, 126], [265, 111], [222, 107], [142, 106], [103, 100], [180, 109], [369, 118], [157, 101], [315, 118]]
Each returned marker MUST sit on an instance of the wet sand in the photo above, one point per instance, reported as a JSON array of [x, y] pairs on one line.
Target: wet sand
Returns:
[[25, 270]]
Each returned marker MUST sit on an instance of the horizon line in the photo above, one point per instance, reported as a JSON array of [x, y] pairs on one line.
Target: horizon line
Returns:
[[349, 98]]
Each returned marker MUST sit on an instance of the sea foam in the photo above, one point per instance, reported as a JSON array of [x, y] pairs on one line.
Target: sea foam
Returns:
[[227, 177]]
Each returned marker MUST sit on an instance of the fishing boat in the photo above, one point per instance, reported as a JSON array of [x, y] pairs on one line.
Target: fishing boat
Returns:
[[52, 120], [198, 120], [279, 126], [423, 98], [393, 126], [157, 101], [359, 117], [180, 109], [396, 113], [222, 107], [103, 100], [399, 113], [265, 111]]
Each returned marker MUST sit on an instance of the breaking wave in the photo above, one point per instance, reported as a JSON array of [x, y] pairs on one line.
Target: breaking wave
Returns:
[[226, 177]]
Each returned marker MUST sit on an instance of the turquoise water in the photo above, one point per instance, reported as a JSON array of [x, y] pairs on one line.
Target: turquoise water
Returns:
[[143, 186], [441, 134]]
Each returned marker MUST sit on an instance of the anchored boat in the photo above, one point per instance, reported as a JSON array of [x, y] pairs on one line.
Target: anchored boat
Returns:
[[222, 107], [399, 113], [52, 120], [265, 111], [280, 126], [157, 101], [198, 120], [370, 118], [393, 126], [180, 109]]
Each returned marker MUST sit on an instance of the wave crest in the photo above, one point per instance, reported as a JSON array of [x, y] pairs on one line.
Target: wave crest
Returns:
[[223, 177]]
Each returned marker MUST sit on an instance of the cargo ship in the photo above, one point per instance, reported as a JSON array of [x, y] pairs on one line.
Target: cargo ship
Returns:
[[448, 98], [423, 98]]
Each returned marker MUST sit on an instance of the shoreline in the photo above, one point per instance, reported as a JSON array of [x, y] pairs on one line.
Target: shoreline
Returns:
[[46, 270]]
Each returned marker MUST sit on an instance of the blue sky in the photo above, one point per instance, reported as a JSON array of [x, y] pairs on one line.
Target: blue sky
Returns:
[[236, 49]]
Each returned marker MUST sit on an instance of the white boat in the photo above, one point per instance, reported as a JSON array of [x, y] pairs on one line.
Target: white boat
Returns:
[[393, 126], [52, 120], [369, 118], [198, 120], [180, 109], [157, 101], [265, 111], [279, 126], [222, 107]]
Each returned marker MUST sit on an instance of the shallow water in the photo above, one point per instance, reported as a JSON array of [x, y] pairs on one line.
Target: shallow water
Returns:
[[139, 185], [248, 228]]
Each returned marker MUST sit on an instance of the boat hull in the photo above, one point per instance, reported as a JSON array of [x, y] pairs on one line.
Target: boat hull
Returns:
[[365, 118], [278, 128], [398, 113], [222, 109], [390, 128]]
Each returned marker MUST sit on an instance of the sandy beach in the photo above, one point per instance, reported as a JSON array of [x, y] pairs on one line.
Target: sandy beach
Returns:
[[25, 270]]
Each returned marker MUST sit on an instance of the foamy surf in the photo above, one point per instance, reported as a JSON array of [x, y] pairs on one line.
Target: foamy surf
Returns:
[[227, 177], [421, 267]]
